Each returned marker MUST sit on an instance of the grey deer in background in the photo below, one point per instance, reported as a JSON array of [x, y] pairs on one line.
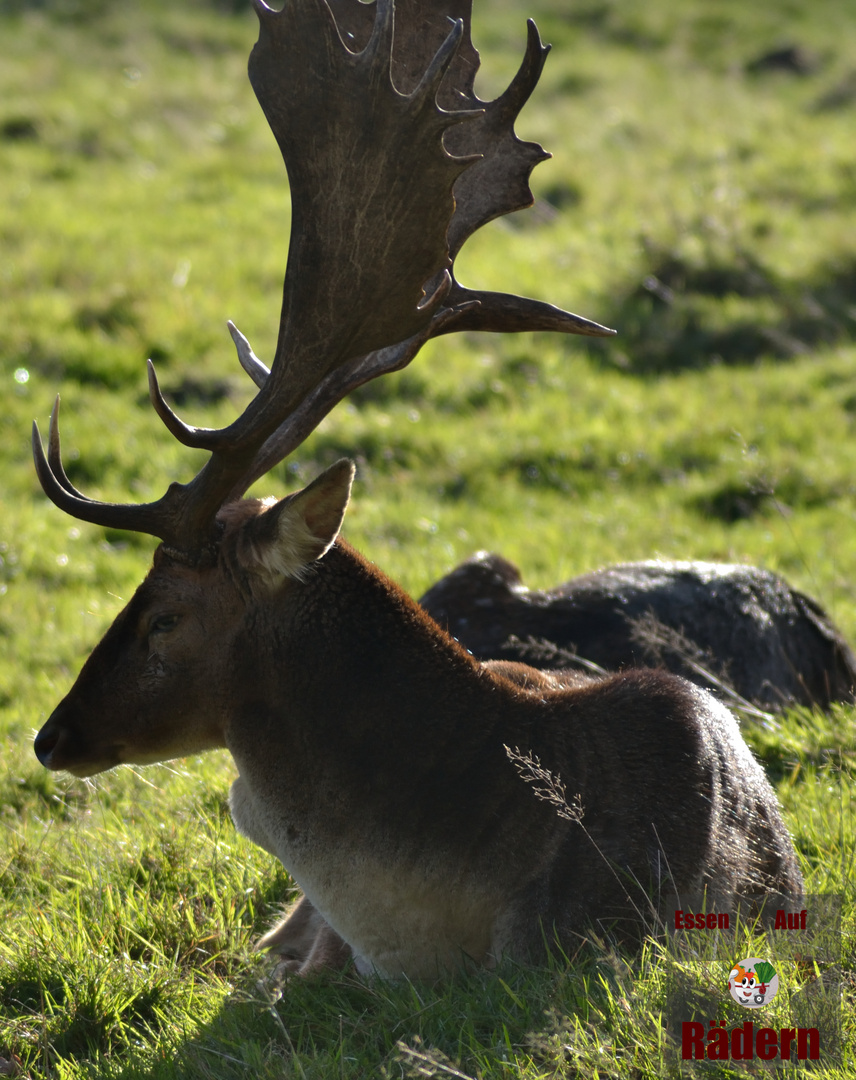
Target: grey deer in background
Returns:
[[372, 749], [740, 631]]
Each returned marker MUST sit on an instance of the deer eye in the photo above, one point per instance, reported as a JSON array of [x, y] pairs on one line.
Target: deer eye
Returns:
[[162, 624]]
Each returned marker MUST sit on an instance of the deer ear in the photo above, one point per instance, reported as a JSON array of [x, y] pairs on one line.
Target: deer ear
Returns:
[[286, 538]]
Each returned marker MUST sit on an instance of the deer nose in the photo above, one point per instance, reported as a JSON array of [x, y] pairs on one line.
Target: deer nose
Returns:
[[49, 742], [45, 744]]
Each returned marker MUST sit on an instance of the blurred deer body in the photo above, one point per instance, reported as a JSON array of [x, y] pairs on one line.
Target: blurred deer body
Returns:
[[731, 628], [374, 751]]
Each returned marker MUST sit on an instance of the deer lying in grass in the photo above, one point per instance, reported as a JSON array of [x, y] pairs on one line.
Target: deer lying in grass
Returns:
[[370, 746], [728, 628]]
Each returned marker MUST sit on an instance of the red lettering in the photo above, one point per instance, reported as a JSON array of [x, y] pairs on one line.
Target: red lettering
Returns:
[[687, 920], [808, 1044], [742, 1042], [766, 1044], [717, 1043], [790, 922], [692, 1040]]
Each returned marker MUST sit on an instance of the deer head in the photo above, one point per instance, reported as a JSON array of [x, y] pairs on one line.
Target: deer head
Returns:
[[393, 162]]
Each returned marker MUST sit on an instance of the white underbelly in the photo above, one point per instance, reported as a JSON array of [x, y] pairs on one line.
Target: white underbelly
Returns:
[[412, 919], [402, 922]]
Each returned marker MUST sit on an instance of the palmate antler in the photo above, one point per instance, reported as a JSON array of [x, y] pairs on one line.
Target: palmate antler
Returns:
[[393, 163]]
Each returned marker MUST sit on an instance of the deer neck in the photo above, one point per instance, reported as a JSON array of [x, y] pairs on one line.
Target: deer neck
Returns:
[[345, 657], [355, 696]]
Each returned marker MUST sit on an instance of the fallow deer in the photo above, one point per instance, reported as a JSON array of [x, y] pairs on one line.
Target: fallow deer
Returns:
[[739, 630], [370, 746]]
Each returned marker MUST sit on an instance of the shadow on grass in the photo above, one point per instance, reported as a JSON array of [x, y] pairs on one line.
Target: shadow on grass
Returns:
[[732, 309], [342, 1026]]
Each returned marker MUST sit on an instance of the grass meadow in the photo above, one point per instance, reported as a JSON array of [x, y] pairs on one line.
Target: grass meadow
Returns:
[[701, 199]]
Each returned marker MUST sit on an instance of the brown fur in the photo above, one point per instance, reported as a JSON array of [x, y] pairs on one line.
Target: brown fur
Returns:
[[371, 755]]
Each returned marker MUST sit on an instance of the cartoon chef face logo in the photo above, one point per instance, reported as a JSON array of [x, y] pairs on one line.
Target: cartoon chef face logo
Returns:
[[753, 983]]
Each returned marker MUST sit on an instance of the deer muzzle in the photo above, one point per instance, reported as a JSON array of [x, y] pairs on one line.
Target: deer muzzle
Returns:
[[61, 745]]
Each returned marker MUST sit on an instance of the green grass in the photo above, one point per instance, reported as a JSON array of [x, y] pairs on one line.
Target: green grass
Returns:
[[704, 208]]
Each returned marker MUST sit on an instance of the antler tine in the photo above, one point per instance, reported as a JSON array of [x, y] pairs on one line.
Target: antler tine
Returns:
[[254, 367], [430, 83], [193, 436], [206, 438], [184, 517], [54, 451], [189, 436], [59, 489], [472, 311], [499, 183], [507, 314], [379, 47], [55, 484]]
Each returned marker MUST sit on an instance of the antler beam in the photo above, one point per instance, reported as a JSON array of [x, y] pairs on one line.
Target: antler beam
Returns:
[[393, 162]]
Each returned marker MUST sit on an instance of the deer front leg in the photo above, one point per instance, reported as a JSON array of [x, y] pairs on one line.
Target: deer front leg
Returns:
[[305, 942], [329, 952]]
